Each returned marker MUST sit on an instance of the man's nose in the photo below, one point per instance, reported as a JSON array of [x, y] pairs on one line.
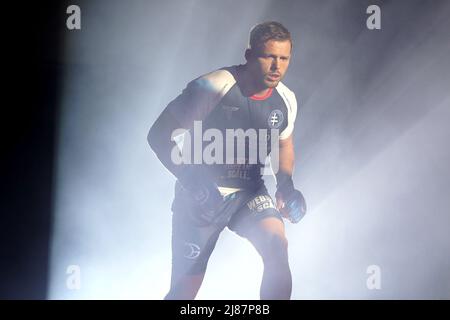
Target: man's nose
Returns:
[[275, 64]]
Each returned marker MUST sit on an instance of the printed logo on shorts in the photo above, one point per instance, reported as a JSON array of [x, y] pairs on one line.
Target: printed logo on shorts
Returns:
[[260, 203], [192, 250]]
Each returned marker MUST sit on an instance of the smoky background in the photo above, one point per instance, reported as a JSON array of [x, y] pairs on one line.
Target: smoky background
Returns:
[[371, 142]]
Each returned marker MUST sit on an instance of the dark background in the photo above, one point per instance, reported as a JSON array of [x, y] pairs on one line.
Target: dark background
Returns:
[[35, 66], [29, 112]]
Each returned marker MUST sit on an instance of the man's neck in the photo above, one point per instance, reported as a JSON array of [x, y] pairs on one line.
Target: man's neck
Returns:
[[248, 86]]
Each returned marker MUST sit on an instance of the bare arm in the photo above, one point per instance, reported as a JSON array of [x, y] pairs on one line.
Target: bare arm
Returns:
[[286, 163], [287, 156]]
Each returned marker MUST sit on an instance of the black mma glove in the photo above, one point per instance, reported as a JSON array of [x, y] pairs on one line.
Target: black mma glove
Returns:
[[203, 191], [293, 203]]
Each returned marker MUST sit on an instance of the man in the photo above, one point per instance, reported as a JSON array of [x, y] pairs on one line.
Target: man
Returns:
[[212, 195]]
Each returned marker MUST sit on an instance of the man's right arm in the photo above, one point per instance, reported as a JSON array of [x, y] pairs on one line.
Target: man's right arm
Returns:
[[195, 103], [204, 192], [160, 140]]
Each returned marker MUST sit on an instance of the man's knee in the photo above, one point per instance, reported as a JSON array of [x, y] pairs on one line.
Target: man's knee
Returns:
[[275, 248]]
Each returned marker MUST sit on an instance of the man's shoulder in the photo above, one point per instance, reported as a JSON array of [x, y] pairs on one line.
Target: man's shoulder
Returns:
[[283, 89], [217, 80], [288, 95]]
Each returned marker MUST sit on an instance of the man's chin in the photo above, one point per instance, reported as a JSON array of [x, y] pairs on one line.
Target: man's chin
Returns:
[[271, 84]]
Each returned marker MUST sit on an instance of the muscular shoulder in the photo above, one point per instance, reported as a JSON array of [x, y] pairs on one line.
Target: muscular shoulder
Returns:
[[291, 103], [288, 95], [218, 81], [200, 96]]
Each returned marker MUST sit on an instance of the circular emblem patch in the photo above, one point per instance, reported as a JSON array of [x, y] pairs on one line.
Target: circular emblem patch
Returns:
[[275, 119]]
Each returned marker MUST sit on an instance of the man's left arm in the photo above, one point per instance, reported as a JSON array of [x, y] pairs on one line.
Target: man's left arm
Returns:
[[286, 164], [287, 155], [290, 201]]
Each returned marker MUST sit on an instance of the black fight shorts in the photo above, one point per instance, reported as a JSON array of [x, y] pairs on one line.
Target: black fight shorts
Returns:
[[193, 240]]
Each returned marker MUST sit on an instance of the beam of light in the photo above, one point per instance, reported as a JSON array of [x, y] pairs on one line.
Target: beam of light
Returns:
[[112, 211], [370, 137]]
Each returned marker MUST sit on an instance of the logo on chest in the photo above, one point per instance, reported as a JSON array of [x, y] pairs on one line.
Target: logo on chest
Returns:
[[275, 119]]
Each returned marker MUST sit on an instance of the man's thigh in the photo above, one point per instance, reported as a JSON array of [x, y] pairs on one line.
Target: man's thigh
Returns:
[[258, 215], [192, 240]]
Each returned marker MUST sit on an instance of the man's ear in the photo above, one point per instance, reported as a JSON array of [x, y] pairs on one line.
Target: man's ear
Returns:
[[248, 54]]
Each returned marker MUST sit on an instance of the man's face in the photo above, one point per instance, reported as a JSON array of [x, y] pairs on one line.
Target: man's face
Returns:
[[269, 63]]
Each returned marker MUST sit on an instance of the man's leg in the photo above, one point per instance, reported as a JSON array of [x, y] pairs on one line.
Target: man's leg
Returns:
[[191, 249], [263, 226], [185, 287], [269, 239], [192, 245]]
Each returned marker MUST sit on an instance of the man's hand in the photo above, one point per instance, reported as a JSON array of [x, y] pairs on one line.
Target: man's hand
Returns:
[[290, 201], [292, 206], [204, 193]]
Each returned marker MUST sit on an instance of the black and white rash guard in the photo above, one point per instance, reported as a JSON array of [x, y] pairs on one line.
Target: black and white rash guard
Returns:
[[217, 101]]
